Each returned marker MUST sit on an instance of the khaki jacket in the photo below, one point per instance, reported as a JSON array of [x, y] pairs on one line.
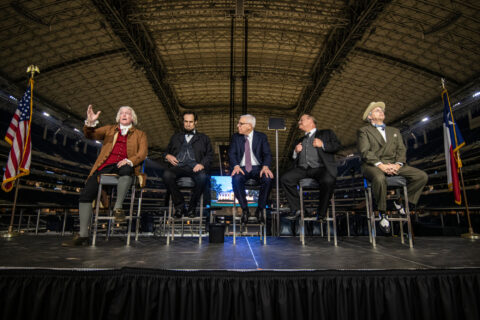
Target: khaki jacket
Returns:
[[137, 145], [373, 147]]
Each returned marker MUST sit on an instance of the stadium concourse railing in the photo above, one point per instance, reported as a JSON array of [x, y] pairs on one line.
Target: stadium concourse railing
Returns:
[[52, 189]]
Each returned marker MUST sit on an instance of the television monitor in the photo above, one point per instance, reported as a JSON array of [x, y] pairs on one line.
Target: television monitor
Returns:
[[222, 193]]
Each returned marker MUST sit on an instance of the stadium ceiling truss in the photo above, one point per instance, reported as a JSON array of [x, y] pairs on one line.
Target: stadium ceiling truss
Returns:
[[273, 58]]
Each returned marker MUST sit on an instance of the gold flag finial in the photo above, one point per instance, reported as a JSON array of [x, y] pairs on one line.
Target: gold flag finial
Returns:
[[32, 69]]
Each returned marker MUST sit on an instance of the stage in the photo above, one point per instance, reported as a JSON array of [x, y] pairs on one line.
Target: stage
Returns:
[[438, 279], [249, 254]]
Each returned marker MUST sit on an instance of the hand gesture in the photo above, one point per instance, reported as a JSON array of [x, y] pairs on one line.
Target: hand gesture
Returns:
[[92, 116]]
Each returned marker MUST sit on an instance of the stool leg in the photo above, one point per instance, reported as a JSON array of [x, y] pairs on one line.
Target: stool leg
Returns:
[[409, 221], [369, 212], [328, 224], [334, 221], [264, 226], [201, 218], [110, 213], [169, 220], [302, 222], [137, 223], [64, 221], [38, 220], [372, 218], [348, 224], [130, 220], [234, 224], [97, 209]]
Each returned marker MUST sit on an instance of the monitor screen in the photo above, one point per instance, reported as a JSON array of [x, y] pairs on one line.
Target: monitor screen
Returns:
[[222, 192]]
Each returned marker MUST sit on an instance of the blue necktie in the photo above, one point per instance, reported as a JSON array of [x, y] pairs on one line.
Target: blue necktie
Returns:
[[382, 126]]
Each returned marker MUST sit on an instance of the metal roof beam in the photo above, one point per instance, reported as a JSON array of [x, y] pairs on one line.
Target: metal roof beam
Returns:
[[141, 47], [338, 44]]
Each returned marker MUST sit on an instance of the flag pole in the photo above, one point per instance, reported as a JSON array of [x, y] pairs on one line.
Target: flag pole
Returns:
[[32, 69], [470, 235], [11, 233]]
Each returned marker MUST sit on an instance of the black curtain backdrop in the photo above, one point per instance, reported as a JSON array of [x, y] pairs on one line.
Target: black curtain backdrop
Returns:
[[158, 294]]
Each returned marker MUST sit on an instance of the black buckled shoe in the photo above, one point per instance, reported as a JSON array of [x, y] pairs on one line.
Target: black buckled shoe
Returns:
[[77, 241], [119, 215]]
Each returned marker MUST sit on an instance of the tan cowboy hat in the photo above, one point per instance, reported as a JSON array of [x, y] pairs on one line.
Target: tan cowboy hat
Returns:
[[372, 106]]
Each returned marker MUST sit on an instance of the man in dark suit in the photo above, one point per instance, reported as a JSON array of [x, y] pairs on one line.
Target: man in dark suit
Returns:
[[314, 156], [250, 158], [189, 154], [383, 153]]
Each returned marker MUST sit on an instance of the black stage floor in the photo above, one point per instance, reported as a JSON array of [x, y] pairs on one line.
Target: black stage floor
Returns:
[[249, 254]]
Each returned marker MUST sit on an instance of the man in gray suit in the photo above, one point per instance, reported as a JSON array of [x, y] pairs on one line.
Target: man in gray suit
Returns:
[[383, 154]]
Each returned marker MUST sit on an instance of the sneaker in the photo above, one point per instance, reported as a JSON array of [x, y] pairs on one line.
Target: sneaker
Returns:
[[77, 241], [384, 224], [399, 208]]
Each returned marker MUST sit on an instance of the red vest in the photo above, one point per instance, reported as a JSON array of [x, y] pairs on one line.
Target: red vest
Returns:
[[118, 153]]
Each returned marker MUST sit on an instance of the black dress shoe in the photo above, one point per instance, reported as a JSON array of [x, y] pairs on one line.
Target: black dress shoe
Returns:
[[180, 211], [191, 213], [259, 215], [384, 224], [245, 215], [293, 215]]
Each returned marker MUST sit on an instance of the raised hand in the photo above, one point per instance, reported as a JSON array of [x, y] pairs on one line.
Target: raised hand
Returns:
[[92, 116]]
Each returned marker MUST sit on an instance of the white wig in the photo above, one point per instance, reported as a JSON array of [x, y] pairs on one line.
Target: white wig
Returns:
[[134, 115], [250, 119]]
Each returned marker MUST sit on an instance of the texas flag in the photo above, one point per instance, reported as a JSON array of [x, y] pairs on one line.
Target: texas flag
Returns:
[[453, 141]]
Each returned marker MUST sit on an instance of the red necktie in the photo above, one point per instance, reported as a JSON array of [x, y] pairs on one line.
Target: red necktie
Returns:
[[248, 156]]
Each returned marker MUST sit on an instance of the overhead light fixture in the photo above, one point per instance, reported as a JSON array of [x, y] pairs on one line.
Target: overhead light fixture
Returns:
[[96, 141], [425, 119], [457, 104], [75, 129], [13, 98], [476, 94], [46, 114]]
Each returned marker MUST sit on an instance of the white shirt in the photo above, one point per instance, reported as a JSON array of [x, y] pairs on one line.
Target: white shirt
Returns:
[[189, 137], [124, 129], [254, 160]]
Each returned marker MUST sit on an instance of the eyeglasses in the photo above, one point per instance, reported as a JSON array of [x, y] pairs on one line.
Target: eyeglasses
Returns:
[[242, 123]]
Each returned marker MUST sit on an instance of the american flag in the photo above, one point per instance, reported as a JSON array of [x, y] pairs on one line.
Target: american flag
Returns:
[[18, 136]]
